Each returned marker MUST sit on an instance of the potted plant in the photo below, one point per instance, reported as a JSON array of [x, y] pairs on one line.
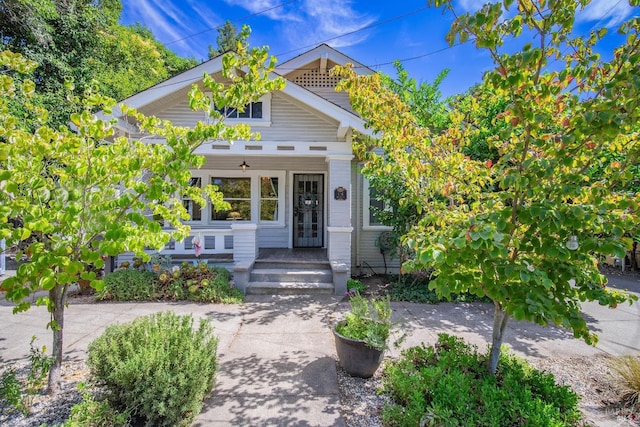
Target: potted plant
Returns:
[[361, 337]]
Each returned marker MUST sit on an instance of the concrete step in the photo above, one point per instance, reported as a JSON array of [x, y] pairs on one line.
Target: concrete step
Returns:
[[289, 288], [291, 264], [289, 275]]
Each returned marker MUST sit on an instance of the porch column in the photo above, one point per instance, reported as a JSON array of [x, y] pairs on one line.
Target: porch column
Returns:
[[339, 227], [245, 241], [245, 252]]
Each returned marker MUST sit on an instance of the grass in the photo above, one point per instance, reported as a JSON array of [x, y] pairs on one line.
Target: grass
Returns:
[[627, 369]]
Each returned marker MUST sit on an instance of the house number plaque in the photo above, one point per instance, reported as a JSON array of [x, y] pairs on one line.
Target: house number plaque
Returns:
[[340, 193]]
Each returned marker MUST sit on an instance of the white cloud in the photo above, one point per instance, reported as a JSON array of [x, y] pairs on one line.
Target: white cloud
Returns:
[[268, 8], [306, 22], [168, 22], [605, 12], [471, 5]]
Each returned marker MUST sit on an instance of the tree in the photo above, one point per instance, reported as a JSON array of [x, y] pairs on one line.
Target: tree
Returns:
[[526, 230], [83, 43], [430, 110], [86, 194], [228, 39]]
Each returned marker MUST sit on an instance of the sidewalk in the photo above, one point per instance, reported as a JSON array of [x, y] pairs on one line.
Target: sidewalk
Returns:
[[276, 354]]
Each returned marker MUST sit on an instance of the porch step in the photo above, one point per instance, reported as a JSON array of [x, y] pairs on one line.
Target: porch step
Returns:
[[289, 288], [291, 274], [290, 277]]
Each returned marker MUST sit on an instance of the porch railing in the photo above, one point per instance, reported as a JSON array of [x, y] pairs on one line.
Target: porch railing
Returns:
[[214, 241]]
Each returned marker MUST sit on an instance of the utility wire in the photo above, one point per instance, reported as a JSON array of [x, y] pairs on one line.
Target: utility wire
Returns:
[[235, 20]]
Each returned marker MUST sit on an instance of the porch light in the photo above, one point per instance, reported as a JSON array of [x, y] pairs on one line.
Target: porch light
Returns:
[[244, 166], [572, 243]]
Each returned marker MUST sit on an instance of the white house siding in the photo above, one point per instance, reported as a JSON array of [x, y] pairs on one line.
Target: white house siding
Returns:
[[289, 121], [366, 256], [329, 93], [293, 122]]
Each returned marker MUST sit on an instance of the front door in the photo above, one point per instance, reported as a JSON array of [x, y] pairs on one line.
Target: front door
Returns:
[[308, 201]]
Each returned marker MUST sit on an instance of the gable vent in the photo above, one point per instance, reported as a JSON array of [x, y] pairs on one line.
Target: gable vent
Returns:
[[253, 147], [221, 147], [316, 78], [317, 148], [286, 148]]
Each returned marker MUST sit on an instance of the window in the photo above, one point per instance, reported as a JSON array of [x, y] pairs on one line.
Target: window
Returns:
[[377, 206], [237, 192], [194, 209], [253, 110], [269, 205], [371, 206]]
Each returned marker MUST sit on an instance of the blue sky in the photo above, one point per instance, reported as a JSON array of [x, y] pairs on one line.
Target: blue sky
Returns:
[[372, 32]]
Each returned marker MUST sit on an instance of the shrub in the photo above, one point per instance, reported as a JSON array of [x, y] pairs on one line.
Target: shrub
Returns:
[[416, 289], [94, 413], [157, 368], [128, 285], [628, 370], [20, 394], [354, 285], [449, 384], [198, 283]]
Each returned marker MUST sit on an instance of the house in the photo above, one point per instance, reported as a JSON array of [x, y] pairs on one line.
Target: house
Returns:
[[296, 194]]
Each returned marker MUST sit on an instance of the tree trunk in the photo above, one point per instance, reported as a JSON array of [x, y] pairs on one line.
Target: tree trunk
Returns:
[[500, 320], [57, 297], [632, 256]]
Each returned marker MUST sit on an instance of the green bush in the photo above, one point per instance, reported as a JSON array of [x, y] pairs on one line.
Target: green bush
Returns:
[[416, 289], [198, 283], [157, 368], [129, 285], [95, 413], [354, 285], [448, 384]]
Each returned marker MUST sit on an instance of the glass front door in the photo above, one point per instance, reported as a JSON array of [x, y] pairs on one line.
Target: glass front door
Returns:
[[308, 202]]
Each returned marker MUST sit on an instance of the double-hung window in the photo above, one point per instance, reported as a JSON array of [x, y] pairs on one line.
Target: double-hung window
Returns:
[[194, 209], [371, 206], [236, 192]]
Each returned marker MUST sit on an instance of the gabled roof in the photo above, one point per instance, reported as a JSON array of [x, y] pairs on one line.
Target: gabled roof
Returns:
[[185, 79], [324, 52]]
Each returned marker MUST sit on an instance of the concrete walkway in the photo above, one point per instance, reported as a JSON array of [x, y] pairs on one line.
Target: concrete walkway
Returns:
[[276, 354]]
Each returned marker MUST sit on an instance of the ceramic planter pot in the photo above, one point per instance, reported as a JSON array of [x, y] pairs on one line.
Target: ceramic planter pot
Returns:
[[355, 357]]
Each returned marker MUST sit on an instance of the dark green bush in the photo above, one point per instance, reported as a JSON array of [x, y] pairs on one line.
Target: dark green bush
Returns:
[[416, 289], [128, 285], [158, 369], [448, 384]]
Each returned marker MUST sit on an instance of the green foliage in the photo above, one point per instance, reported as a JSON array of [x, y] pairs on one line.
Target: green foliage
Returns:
[[499, 228], [129, 285], [628, 370], [20, 394], [447, 384], [157, 368], [95, 413], [187, 282], [415, 288], [227, 39], [81, 45], [11, 391], [368, 321], [355, 286], [198, 283], [83, 194]]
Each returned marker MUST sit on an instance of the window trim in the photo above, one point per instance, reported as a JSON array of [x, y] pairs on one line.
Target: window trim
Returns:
[[255, 176], [366, 204], [265, 121]]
